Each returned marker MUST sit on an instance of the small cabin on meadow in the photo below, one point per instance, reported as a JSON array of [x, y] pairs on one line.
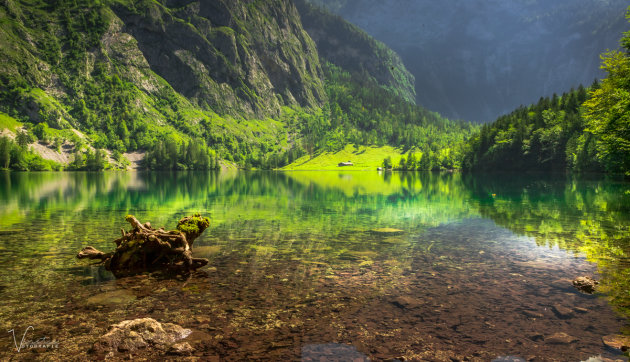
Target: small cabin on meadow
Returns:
[[342, 164]]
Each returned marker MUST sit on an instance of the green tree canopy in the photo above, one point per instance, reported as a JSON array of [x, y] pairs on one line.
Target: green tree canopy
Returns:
[[608, 109]]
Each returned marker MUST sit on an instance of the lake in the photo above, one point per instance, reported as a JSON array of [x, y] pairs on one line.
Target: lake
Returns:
[[326, 265]]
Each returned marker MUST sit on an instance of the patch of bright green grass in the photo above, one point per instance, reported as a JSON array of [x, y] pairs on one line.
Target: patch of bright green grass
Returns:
[[8, 122], [364, 158]]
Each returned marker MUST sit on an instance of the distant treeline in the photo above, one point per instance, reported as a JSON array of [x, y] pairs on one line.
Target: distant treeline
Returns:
[[546, 136], [14, 155]]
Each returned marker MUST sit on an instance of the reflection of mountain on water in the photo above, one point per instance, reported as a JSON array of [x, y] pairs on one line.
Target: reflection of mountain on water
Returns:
[[427, 198]]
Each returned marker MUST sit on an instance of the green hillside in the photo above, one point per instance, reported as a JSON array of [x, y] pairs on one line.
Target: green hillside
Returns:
[[186, 84]]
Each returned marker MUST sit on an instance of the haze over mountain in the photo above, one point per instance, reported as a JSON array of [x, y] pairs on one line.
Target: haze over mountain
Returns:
[[478, 59]]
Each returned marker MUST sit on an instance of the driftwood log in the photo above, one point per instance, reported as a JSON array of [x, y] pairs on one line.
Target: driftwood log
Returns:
[[146, 249]]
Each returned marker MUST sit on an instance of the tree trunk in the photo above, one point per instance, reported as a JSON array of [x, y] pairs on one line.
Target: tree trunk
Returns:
[[146, 249]]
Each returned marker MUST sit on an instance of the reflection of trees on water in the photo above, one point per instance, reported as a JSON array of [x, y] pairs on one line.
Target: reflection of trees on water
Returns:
[[281, 193], [579, 215], [316, 217], [314, 220]]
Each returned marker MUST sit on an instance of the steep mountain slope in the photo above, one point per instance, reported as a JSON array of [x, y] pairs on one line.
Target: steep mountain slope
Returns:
[[350, 48], [126, 72], [231, 54], [481, 58]]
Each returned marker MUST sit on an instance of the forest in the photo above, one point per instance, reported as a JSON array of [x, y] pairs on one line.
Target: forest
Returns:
[[585, 130]]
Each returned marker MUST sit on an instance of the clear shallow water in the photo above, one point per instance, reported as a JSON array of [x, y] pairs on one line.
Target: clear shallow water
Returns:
[[481, 268]]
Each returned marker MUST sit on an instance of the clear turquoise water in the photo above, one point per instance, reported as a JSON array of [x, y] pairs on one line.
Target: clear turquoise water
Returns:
[[478, 267]]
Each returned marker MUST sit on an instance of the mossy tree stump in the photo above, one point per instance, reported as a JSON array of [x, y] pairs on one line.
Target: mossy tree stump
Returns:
[[145, 249]]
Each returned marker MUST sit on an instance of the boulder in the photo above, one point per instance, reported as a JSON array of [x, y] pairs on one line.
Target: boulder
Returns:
[[131, 335]]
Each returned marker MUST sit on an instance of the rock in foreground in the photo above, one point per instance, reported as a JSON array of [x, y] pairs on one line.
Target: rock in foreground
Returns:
[[131, 335]]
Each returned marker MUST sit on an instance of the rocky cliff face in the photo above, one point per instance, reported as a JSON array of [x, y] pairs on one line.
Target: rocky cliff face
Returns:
[[350, 48], [242, 57], [480, 58]]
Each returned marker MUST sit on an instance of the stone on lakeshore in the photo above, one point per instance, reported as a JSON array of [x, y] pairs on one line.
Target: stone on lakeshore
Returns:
[[617, 341], [560, 338]]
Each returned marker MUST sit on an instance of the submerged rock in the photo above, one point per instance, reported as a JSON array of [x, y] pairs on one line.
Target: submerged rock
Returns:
[[131, 335], [617, 341], [533, 314], [181, 349], [405, 302], [560, 338], [120, 296], [585, 284], [562, 312]]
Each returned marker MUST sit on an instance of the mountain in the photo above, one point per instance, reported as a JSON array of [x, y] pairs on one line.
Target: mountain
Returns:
[[347, 46], [127, 74], [224, 54], [479, 59], [186, 82]]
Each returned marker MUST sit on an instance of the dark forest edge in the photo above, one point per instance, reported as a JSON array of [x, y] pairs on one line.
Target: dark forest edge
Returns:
[[581, 131]]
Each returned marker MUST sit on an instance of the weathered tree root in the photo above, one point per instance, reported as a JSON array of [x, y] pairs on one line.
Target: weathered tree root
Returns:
[[144, 248]]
